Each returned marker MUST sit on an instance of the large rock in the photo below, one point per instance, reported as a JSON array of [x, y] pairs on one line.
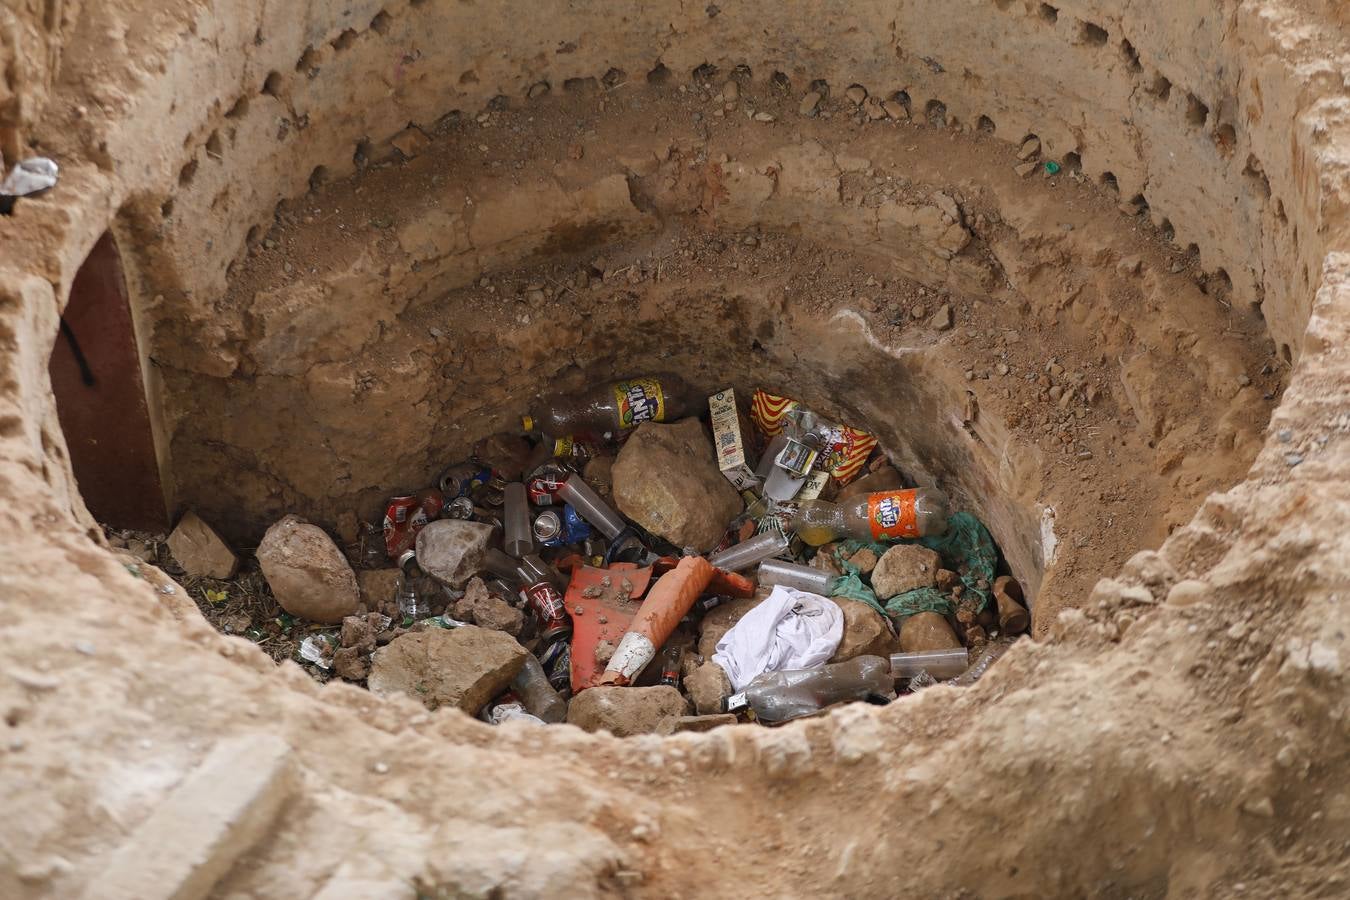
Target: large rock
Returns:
[[866, 632], [666, 479], [625, 711], [307, 572], [904, 567], [199, 550], [452, 550], [463, 667], [708, 686]]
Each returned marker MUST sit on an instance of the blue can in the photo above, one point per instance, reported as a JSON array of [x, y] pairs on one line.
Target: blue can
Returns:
[[558, 528]]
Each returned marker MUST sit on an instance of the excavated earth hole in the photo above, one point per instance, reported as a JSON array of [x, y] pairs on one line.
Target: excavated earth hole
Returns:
[[984, 323]]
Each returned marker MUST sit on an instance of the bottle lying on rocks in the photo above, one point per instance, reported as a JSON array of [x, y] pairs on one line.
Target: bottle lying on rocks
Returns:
[[751, 552], [536, 694], [608, 410], [883, 516], [788, 694]]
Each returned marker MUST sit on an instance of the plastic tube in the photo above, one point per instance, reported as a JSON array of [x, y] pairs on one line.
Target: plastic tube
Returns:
[[803, 578], [518, 537], [577, 492], [941, 664], [747, 553]]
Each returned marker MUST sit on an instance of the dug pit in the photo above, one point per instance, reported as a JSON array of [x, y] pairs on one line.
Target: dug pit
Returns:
[[1010, 331]]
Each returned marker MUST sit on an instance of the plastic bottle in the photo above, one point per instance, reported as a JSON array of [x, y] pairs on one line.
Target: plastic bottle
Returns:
[[577, 492], [788, 694], [941, 664], [518, 534], [411, 604], [536, 694], [607, 410], [794, 575], [748, 553], [883, 516]]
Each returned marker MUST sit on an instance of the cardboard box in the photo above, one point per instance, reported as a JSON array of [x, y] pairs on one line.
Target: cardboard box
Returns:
[[729, 438]]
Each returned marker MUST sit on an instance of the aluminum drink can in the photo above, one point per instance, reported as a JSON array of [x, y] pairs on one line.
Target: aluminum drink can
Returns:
[[403, 518], [543, 484], [548, 528], [548, 604]]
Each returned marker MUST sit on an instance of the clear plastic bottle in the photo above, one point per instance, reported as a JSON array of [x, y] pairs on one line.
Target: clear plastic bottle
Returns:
[[941, 664], [883, 516], [536, 694], [594, 510], [748, 553], [795, 575], [788, 694], [518, 533], [607, 410], [411, 603]]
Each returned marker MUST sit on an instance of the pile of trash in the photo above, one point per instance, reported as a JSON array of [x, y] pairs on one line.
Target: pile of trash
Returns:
[[645, 558]]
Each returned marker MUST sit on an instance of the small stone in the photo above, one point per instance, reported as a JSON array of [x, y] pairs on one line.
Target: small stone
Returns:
[[1130, 265], [200, 550], [896, 110], [873, 109], [904, 567], [865, 559], [452, 550], [942, 319], [708, 686], [731, 92], [505, 453], [378, 587], [307, 572], [764, 116], [463, 667], [918, 312], [1026, 169], [1244, 380], [1002, 369], [809, 104], [927, 631], [1189, 592], [1030, 147], [411, 142], [866, 632], [538, 89], [625, 711], [351, 664], [856, 94]]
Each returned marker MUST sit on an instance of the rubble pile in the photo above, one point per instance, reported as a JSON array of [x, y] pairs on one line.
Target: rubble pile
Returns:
[[646, 558]]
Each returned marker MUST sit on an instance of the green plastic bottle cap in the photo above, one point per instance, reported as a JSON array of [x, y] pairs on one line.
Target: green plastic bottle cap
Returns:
[[1052, 167]]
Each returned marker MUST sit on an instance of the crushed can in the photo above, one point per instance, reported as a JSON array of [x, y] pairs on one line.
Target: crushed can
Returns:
[[559, 528], [404, 517], [556, 659], [544, 482]]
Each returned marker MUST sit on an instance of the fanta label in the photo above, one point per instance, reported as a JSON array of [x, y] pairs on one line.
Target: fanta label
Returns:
[[892, 515], [640, 400]]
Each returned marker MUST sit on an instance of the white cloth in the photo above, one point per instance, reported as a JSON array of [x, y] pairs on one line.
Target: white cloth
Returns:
[[790, 629]]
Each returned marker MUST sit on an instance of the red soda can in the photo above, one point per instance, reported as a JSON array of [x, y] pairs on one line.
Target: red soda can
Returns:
[[543, 485], [550, 607], [403, 518]]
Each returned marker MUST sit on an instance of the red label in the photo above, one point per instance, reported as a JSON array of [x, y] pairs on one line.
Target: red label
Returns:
[[892, 515]]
